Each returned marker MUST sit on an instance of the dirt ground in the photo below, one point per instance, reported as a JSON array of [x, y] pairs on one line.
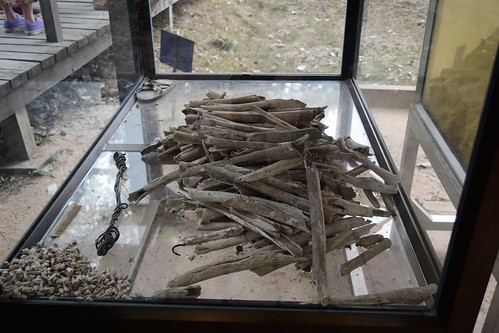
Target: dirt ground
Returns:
[[69, 118], [66, 121]]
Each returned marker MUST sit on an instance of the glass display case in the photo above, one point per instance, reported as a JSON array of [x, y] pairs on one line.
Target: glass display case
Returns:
[[269, 200]]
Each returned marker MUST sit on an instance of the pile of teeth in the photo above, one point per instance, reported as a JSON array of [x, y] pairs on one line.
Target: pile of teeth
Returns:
[[59, 272]]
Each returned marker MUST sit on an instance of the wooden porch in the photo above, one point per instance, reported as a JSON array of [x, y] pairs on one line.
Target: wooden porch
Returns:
[[75, 33], [30, 65]]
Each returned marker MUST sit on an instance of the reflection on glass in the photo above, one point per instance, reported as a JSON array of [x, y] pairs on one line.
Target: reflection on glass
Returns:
[[256, 36], [463, 49]]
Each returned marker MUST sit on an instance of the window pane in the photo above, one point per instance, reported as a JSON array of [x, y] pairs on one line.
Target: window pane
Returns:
[[460, 61], [285, 36]]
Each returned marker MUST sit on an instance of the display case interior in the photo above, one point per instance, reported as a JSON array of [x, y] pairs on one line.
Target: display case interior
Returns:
[[237, 195], [157, 221]]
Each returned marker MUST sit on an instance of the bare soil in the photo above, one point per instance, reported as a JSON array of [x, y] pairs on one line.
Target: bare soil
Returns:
[[66, 121]]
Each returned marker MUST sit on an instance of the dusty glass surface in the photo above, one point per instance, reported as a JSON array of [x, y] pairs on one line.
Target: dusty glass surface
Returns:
[[152, 227]]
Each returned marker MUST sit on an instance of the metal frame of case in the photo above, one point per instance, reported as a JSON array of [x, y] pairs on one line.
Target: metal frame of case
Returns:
[[462, 280]]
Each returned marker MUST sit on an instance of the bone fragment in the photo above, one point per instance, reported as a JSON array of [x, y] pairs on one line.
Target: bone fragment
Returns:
[[370, 240], [319, 271], [272, 169], [235, 144], [225, 243], [157, 183], [365, 256], [209, 120], [210, 236], [236, 100], [67, 218], [172, 293], [273, 119], [410, 296], [284, 136], [231, 265], [264, 104]]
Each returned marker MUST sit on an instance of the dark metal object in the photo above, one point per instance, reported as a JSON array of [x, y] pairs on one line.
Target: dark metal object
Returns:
[[107, 239]]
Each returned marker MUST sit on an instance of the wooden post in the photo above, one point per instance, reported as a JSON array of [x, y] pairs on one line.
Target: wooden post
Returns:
[[51, 20], [18, 136]]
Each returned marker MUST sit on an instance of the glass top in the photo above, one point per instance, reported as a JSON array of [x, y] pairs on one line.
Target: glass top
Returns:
[[153, 230]]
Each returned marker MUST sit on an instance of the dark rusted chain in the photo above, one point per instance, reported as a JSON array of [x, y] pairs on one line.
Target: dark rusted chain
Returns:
[[107, 239]]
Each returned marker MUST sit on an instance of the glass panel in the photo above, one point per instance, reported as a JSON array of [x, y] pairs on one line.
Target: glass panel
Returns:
[[429, 132], [261, 36], [463, 49], [390, 50], [152, 229], [124, 222], [59, 102], [458, 68]]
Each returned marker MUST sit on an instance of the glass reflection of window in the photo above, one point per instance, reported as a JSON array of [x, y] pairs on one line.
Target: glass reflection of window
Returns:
[[466, 35]]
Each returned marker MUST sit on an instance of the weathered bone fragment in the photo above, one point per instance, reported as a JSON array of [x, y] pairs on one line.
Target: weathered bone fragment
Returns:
[[287, 184], [357, 233], [389, 203], [235, 100], [231, 265], [216, 245], [285, 136], [370, 240], [188, 292], [278, 211], [257, 225], [319, 271], [210, 236], [67, 218], [387, 176], [268, 104], [372, 198], [224, 133], [365, 256], [273, 119], [285, 151], [236, 144], [296, 118], [190, 154], [365, 183], [209, 120], [182, 137], [272, 169], [206, 214], [410, 296], [213, 226], [332, 243], [157, 183], [357, 170], [224, 174], [352, 144]]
